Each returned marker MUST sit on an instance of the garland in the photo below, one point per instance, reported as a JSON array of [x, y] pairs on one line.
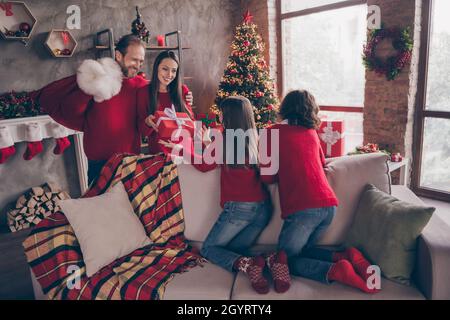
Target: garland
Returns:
[[391, 67]]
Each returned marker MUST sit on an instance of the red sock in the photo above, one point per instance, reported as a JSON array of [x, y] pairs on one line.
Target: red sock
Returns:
[[61, 145], [278, 266], [33, 148], [253, 268], [7, 152], [343, 272], [359, 262]]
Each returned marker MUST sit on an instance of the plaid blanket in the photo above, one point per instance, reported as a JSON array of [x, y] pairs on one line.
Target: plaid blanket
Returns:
[[154, 192]]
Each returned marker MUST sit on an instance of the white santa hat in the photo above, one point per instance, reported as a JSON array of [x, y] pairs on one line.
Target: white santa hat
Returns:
[[6, 139], [101, 79]]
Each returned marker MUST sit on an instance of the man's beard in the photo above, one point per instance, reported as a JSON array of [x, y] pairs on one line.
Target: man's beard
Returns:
[[127, 72]]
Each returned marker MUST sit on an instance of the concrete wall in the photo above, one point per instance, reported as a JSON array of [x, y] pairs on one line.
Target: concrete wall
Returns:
[[207, 26]]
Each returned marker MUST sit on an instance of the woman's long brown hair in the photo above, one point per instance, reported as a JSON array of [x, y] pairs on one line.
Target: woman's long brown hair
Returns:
[[237, 114]]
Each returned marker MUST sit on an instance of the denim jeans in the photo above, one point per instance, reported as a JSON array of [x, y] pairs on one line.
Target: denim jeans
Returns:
[[235, 231], [298, 236], [94, 169]]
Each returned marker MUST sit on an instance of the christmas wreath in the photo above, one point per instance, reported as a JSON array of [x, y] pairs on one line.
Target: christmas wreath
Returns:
[[391, 67]]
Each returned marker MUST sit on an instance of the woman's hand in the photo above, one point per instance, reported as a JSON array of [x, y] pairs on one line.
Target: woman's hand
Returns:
[[190, 98], [150, 121]]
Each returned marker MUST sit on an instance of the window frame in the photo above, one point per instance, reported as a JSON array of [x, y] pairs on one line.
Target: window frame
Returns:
[[304, 12], [421, 112]]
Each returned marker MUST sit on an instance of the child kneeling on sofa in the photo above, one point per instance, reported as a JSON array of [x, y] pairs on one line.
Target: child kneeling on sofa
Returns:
[[308, 203], [243, 196]]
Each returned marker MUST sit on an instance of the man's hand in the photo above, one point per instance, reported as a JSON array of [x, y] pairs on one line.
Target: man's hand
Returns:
[[150, 121], [190, 98]]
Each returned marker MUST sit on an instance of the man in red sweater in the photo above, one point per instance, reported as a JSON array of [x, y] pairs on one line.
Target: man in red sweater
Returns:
[[100, 101]]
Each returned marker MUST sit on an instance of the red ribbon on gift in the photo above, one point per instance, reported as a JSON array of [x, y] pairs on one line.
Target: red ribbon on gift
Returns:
[[7, 7], [65, 37]]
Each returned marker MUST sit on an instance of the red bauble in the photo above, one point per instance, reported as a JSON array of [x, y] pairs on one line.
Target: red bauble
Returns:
[[25, 27], [249, 77], [246, 43], [270, 107], [259, 94], [66, 52]]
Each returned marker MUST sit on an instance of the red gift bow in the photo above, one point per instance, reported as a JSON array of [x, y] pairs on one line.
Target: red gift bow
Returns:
[[7, 7], [65, 37]]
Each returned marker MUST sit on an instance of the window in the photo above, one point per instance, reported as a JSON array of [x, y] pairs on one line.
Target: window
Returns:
[[321, 52], [432, 173]]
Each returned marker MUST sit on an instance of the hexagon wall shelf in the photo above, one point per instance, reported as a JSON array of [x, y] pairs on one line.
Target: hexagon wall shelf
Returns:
[[61, 43], [16, 21]]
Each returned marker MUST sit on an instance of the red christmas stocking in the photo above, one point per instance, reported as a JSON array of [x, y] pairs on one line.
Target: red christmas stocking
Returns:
[[60, 134], [34, 137], [6, 144], [61, 145]]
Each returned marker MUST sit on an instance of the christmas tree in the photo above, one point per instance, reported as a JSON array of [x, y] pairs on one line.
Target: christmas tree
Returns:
[[247, 74]]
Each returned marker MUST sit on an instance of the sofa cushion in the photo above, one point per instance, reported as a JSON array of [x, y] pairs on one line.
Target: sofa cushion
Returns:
[[208, 282], [201, 200], [106, 227], [346, 175], [305, 289], [386, 229]]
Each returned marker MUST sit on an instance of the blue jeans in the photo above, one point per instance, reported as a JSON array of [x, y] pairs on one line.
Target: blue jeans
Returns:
[[235, 231], [298, 236]]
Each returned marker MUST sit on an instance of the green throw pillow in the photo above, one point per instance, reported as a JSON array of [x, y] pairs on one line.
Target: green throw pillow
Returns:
[[386, 229]]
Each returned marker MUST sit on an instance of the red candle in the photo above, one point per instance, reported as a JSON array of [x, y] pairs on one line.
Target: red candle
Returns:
[[160, 40]]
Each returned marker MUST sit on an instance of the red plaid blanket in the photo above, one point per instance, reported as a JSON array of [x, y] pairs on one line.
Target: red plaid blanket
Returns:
[[154, 192]]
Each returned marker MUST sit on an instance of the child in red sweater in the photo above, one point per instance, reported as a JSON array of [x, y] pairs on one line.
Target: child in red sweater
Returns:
[[243, 197], [307, 201]]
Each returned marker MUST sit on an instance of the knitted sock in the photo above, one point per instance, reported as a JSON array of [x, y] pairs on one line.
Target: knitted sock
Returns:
[[7, 152], [343, 272], [61, 145], [33, 148], [279, 269], [253, 268], [357, 259]]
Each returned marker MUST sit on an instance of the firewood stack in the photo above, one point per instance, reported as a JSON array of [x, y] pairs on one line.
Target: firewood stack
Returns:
[[35, 205]]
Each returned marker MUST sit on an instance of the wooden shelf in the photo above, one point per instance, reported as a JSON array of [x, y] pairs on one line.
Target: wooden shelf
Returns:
[[55, 42], [20, 14]]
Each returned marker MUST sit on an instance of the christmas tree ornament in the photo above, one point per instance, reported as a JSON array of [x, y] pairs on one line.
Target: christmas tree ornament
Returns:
[[33, 136], [7, 148], [57, 52], [66, 52], [248, 17], [25, 27], [139, 29]]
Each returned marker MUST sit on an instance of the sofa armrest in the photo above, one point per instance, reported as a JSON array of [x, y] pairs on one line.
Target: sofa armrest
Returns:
[[432, 272]]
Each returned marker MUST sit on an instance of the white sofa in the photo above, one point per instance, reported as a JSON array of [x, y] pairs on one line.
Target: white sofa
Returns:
[[347, 176]]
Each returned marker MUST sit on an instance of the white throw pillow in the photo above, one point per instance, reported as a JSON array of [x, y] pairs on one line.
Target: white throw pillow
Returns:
[[106, 227]]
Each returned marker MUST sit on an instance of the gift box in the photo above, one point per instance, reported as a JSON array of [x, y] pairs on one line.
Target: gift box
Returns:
[[171, 122], [207, 119], [332, 138]]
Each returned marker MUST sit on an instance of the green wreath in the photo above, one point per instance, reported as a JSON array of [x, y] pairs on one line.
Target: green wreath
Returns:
[[391, 67]]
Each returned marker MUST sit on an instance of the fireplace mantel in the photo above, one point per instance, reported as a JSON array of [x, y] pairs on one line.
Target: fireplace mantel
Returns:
[[17, 130]]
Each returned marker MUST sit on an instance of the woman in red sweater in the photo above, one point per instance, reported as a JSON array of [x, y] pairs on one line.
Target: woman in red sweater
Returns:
[[164, 90], [308, 203]]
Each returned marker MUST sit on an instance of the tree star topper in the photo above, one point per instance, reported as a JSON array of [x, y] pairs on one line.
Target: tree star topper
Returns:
[[248, 17]]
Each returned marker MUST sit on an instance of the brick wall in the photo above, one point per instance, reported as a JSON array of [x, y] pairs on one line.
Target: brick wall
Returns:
[[389, 105]]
